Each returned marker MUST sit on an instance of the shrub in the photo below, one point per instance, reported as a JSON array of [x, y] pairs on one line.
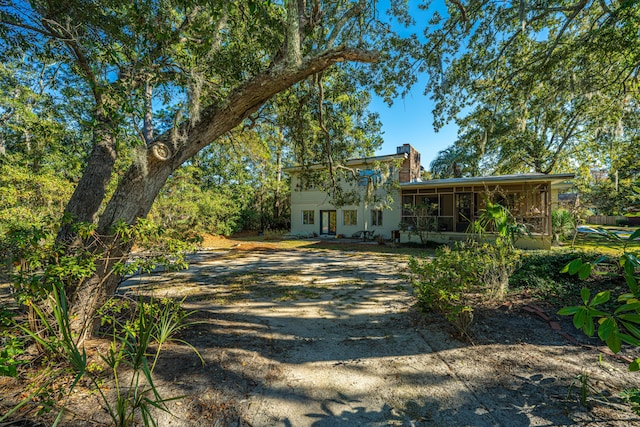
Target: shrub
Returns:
[[539, 272], [624, 222], [449, 282], [621, 323], [135, 347], [563, 225]]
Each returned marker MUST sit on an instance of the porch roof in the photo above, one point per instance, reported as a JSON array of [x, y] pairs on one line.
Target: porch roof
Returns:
[[553, 179]]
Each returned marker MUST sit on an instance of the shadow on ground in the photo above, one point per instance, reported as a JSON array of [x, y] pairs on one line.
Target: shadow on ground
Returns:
[[317, 338]]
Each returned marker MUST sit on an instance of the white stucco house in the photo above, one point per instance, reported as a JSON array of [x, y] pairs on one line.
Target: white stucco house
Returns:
[[389, 188]]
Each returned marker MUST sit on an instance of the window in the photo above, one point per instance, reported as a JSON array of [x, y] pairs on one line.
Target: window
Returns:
[[376, 217], [350, 217], [307, 217]]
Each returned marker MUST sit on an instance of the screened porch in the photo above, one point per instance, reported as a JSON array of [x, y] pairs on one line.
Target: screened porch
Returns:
[[451, 209]]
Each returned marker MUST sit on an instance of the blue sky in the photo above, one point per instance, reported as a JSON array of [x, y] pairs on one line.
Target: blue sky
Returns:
[[410, 119]]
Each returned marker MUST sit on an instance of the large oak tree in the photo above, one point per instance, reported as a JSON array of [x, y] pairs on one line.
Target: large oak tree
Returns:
[[169, 78]]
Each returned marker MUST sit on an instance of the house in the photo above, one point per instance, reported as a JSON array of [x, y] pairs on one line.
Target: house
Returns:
[[391, 200]]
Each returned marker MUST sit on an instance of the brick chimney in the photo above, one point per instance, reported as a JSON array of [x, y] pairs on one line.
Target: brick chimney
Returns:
[[410, 169]]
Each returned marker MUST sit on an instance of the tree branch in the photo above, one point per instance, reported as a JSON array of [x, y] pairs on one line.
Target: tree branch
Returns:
[[343, 22], [293, 44]]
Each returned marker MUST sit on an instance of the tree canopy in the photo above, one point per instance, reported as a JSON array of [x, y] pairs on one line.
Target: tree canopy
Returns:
[[154, 83], [534, 85]]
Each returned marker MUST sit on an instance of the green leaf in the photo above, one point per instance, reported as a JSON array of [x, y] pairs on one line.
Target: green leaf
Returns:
[[607, 327], [600, 259], [614, 342], [597, 313], [635, 318], [568, 311], [585, 271], [634, 366], [631, 282], [601, 297], [579, 318], [573, 267], [589, 326], [628, 307], [628, 339], [633, 329], [586, 295], [630, 298], [633, 259], [609, 234], [635, 235]]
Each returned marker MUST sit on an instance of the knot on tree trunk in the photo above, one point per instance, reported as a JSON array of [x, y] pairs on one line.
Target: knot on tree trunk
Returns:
[[162, 151]]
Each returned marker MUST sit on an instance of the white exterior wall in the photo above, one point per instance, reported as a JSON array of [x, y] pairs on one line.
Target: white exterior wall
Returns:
[[525, 242], [317, 201]]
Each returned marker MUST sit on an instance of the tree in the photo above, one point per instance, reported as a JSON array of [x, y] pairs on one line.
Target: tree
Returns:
[[169, 78], [454, 162], [534, 84]]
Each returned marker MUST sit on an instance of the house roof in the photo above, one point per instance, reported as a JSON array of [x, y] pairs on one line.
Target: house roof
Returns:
[[490, 180], [351, 162]]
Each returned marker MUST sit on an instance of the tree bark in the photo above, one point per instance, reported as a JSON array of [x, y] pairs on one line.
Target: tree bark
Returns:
[[276, 195], [141, 184], [90, 192]]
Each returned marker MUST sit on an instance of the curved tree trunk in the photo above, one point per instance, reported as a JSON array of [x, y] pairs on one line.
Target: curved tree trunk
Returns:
[[89, 194]]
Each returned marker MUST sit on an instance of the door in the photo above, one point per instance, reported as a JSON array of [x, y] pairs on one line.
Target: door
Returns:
[[463, 211], [328, 221]]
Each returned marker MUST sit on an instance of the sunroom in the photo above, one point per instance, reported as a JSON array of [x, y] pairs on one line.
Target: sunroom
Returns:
[[446, 208]]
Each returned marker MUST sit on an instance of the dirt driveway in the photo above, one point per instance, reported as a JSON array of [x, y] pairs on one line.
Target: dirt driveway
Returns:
[[330, 338]]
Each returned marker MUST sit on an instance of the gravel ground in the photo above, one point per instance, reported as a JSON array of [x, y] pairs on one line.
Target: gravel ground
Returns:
[[309, 337]]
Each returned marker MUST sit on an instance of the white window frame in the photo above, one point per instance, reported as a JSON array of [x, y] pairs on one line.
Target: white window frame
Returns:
[[355, 217], [376, 217], [306, 219]]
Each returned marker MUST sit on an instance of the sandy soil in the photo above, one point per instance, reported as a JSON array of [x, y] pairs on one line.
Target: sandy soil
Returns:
[[324, 337]]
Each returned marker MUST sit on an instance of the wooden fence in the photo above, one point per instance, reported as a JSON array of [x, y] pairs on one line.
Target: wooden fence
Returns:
[[607, 220]]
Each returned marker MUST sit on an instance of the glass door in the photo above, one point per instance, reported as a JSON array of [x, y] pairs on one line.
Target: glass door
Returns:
[[463, 211], [328, 221]]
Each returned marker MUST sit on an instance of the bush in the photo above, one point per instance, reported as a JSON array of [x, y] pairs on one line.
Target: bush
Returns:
[[539, 272], [563, 224], [124, 378], [617, 324], [622, 222], [449, 282]]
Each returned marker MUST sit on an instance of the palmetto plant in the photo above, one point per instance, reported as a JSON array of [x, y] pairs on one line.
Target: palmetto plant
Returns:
[[136, 395], [497, 218], [563, 224]]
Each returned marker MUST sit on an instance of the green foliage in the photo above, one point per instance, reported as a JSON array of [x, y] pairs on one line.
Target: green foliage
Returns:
[[29, 202], [608, 199], [539, 103], [187, 209], [448, 282], [617, 326], [632, 396], [586, 389], [454, 162], [136, 394], [497, 218], [563, 224], [539, 273], [157, 248], [12, 346], [131, 358]]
